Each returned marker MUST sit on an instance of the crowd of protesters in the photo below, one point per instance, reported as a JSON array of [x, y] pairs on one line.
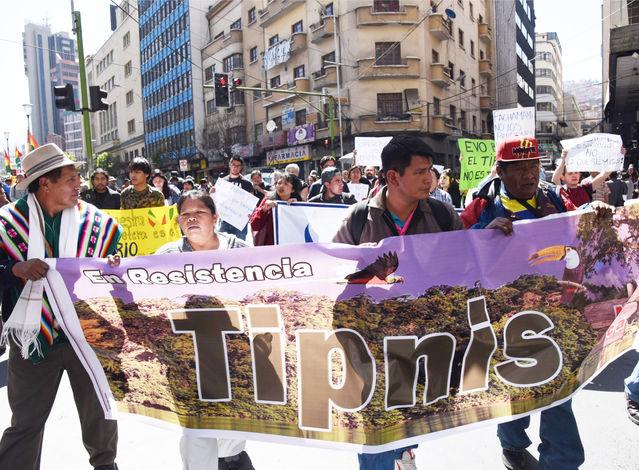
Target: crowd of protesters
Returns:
[[406, 196]]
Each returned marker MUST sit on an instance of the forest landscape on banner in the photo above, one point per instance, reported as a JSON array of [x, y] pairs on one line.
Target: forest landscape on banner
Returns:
[[323, 342]]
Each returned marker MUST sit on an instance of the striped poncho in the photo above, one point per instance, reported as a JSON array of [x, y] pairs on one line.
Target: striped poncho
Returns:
[[98, 236]]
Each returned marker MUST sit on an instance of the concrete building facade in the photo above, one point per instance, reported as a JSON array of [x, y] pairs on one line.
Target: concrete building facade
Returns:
[[549, 89], [115, 68], [394, 66]]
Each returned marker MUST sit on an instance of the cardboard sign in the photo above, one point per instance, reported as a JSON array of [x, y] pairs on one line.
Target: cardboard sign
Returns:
[[478, 157], [594, 152], [369, 150], [359, 190], [516, 122], [234, 205]]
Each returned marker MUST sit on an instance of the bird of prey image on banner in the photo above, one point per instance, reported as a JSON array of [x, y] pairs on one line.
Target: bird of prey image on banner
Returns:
[[379, 272]]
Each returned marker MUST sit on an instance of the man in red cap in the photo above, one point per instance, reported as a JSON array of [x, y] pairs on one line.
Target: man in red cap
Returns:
[[518, 194]]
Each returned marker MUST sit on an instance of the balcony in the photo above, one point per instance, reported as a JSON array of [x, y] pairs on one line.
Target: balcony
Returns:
[[439, 26], [323, 29], [485, 33], [275, 9], [486, 103], [325, 77], [407, 68], [367, 16], [404, 123], [486, 68], [224, 42], [298, 42], [440, 125], [439, 75]]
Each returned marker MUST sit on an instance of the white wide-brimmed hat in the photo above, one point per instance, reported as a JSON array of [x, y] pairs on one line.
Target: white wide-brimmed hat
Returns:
[[41, 161]]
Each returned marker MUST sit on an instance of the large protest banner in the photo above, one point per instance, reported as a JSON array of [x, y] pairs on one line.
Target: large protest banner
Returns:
[[307, 222], [515, 122], [367, 348], [478, 157], [594, 152], [146, 230]]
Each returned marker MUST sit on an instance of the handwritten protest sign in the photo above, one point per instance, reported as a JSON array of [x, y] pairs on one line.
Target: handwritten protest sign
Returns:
[[307, 222], [478, 157], [513, 123], [369, 150], [359, 190], [233, 203], [594, 152], [146, 230]]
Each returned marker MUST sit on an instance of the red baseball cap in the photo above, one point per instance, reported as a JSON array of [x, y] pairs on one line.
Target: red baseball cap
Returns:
[[518, 148]]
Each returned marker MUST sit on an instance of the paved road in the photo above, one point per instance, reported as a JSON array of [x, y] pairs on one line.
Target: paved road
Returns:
[[610, 439]]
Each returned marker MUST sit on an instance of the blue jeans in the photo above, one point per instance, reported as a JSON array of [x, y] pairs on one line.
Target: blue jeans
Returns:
[[632, 385], [560, 447], [228, 228], [381, 461]]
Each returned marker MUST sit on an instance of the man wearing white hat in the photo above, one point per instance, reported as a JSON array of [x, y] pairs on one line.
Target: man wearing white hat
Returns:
[[50, 222]]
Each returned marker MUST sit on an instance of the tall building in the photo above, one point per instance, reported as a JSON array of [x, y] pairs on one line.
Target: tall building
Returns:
[[397, 66], [172, 34], [573, 117], [514, 53], [50, 60], [549, 88], [115, 68], [621, 73]]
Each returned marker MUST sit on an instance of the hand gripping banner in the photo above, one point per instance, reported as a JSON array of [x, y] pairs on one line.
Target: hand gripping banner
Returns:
[[367, 348]]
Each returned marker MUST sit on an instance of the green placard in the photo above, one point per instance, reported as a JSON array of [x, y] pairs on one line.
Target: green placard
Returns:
[[477, 158]]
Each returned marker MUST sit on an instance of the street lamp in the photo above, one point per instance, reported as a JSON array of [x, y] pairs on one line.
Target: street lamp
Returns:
[[28, 107], [6, 137]]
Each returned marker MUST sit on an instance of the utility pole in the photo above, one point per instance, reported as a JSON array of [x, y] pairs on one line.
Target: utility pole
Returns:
[[86, 121], [338, 73]]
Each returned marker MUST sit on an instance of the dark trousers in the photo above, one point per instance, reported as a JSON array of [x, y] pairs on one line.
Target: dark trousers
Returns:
[[32, 389]]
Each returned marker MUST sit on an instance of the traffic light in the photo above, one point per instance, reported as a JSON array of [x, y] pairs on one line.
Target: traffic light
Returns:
[[64, 98], [235, 83], [221, 90], [97, 98]]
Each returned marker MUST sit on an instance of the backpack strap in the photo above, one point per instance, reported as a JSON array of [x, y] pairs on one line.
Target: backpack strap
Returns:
[[441, 213], [359, 216]]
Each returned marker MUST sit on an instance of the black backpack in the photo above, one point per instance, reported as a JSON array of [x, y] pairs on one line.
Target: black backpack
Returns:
[[359, 216]]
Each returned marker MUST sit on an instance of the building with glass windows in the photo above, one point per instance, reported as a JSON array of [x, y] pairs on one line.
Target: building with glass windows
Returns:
[[550, 94], [172, 33]]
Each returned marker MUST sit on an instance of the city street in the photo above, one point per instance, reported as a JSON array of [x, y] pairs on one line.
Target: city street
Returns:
[[610, 439]]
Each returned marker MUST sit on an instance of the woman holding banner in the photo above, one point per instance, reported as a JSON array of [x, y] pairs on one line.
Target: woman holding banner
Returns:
[[197, 218], [262, 218]]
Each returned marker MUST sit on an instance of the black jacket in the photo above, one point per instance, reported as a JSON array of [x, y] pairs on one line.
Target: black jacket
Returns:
[[111, 199], [344, 198]]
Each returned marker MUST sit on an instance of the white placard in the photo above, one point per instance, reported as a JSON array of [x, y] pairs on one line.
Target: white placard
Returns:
[[440, 168], [369, 150], [594, 152], [307, 222], [359, 190], [184, 165], [515, 122], [234, 205]]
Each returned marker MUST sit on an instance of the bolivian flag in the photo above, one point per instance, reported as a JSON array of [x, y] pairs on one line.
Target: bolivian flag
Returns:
[[18, 159], [7, 162], [33, 144]]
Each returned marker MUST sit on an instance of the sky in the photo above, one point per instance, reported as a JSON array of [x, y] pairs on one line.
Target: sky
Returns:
[[577, 22]]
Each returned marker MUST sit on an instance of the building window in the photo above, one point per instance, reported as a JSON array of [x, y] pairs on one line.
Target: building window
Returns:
[[473, 86], [462, 78], [390, 105], [299, 72], [462, 119], [128, 68], [474, 123], [328, 59], [126, 40], [252, 15], [209, 73], [482, 56], [385, 5], [435, 56], [460, 35], [472, 48], [437, 106], [328, 10], [131, 126], [210, 107], [237, 97], [300, 117], [259, 130], [237, 24], [480, 19], [297, 27], [453, 113], [472, 14], [278, 122], [275, 81], [129, 97], [232, 62], [450, 70], [273, 40], [388, 53], [257, 94], [253, 54]]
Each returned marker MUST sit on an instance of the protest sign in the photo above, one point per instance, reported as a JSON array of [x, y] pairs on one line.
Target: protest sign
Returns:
[[234, 205], [594, 152], [359, 190], [515, 122], [307, 222], [478, 157], [146, 230], [319, 344], [368, 150]]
